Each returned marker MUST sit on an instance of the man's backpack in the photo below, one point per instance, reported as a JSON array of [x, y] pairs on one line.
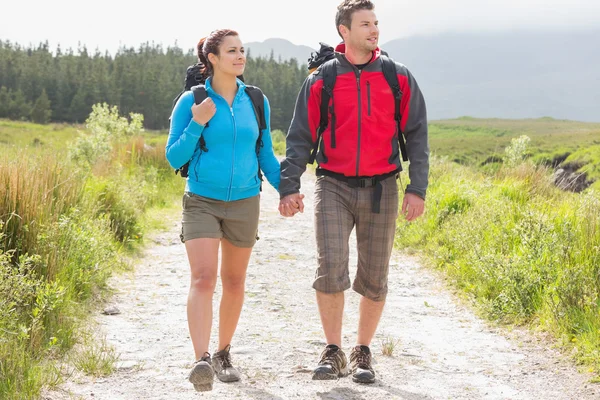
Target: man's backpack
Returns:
[[326, 61], [194, 81]]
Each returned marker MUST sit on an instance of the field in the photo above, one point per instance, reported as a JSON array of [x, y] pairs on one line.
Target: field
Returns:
[[479, 142]]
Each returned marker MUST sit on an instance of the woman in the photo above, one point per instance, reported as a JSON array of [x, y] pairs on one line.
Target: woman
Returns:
[[221, 200]]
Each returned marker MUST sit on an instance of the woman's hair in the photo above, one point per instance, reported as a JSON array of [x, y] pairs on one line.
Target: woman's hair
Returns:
[[211, 44]]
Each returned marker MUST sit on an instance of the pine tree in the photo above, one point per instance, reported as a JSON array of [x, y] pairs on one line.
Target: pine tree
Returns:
[[41, 111], [4, 102], [143, 80], [18, 107]]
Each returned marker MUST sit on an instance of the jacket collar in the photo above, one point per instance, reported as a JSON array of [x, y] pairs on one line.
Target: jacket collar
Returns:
[[341, 48], [241, 86]]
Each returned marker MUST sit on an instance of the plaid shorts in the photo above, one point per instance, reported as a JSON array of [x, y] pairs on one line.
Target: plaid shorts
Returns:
[[338, 209]]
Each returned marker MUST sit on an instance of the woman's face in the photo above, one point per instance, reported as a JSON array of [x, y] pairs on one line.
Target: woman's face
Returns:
[[232, 57]]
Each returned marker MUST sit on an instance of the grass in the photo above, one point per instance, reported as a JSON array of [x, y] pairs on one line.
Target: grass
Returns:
[[474, 141], [96, 357], [64, 230], [159, 217], [524, 251], [586, 160], [278, 138], [21, 134], [388, 346]]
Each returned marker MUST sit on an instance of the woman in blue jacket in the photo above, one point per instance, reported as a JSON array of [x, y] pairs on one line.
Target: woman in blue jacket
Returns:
[[221, 200]]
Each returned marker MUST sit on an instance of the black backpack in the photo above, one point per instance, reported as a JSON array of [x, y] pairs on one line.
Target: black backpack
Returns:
[[194, 81], [325, 59]]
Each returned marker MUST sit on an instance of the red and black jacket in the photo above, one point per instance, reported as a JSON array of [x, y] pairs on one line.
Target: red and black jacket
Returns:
[[362, 139]]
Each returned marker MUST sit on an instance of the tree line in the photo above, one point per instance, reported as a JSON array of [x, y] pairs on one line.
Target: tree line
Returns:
[[43, 86]]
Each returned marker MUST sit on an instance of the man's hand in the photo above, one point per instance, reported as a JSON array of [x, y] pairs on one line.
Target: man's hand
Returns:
[[291, 204], [412, 206]]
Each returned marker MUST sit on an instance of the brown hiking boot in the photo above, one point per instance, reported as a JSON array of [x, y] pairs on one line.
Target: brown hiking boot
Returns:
[[202, 374], [222, 365], [360, 365], [332, 365]]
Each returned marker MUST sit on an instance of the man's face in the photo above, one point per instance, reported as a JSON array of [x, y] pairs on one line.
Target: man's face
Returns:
[[364, 32]]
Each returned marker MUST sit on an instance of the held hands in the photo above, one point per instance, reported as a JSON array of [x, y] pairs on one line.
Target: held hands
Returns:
[[412, 206], [291, 204], [203, 112]]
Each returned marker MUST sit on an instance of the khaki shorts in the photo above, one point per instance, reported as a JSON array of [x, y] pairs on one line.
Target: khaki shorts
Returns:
[[236, 221], [338, 209]]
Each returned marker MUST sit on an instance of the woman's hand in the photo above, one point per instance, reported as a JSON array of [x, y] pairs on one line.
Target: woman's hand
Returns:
[[203, 112]]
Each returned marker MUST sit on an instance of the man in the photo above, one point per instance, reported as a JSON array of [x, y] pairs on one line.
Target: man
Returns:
[[358, 163]]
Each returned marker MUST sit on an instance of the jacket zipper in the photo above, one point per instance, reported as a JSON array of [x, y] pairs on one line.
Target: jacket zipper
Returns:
[[232, 152], [359, 123]]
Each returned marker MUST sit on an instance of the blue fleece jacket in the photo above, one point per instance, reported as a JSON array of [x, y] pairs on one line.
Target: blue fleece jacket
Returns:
[[228, 171]]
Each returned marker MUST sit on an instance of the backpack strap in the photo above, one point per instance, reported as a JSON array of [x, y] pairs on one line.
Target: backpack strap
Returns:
[[329, 72], [200, 95], [258, 103], [389, 71], [199, 92]]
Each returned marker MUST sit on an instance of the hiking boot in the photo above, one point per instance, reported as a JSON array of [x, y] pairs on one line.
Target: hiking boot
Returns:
[[332, 365], [202, 374], [360, 365], [222, 365]]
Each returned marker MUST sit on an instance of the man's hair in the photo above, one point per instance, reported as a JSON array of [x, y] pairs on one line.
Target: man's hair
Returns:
[[347, 8]]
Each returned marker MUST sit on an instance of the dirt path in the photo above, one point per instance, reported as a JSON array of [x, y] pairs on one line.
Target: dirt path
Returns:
[[444, 351]]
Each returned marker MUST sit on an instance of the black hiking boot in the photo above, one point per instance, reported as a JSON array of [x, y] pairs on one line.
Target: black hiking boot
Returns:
[[360, 365], [332, 365], [202, 374], [222, 365]]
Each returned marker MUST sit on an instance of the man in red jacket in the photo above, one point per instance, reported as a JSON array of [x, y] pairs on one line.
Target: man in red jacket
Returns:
[[358, 162]]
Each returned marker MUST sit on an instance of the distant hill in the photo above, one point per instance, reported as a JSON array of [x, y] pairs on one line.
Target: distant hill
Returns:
[[500, 75], [280, 48], [506, 75]]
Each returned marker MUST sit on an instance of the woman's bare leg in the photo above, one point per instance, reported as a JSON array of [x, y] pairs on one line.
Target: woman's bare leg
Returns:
[[203, 256]]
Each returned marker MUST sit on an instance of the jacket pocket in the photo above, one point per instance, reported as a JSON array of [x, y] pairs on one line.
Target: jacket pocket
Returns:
[[184, 200], [196, 162], [209, 170], [332, 121]]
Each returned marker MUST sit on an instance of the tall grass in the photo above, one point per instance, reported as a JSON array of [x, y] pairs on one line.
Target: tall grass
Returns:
[[525, 251], [134, 178], [64, 228], [34, 190], [54, 256]]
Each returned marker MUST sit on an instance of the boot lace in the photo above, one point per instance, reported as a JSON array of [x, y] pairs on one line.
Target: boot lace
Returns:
[[361, 358], [225, 359]]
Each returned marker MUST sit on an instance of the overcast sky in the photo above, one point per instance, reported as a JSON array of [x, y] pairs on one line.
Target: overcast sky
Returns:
[[108, 24]]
